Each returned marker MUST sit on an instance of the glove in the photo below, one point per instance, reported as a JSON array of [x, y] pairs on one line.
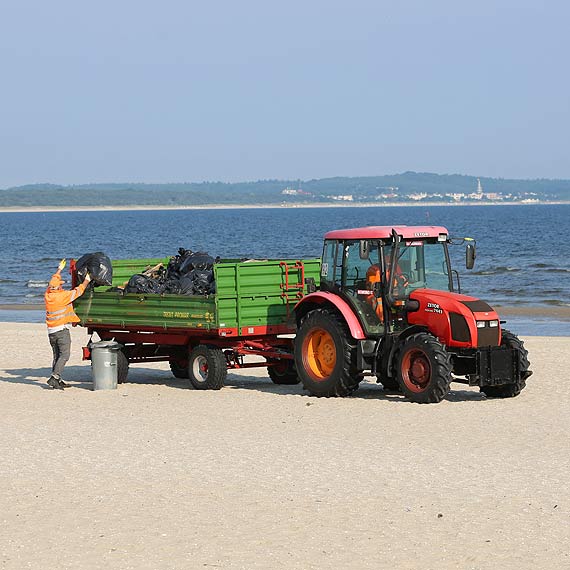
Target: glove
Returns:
[[62, 264]]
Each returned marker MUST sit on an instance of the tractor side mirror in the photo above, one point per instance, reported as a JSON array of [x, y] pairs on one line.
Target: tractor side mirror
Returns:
[[470, 255], [364, 249]]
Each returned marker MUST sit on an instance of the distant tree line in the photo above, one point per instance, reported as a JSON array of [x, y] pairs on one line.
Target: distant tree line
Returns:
[[270, 192]]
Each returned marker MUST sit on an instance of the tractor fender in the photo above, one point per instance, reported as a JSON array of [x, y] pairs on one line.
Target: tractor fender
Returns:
[[323, 298]]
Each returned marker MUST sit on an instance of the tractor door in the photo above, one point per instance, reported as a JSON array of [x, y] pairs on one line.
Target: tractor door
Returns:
[[359, 277]]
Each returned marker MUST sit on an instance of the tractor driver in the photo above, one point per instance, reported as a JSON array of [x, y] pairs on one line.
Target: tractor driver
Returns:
[[374, 275]]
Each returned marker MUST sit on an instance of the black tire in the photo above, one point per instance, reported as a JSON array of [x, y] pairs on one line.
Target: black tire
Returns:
[[207, 368], [122, 366], [423, 369], [178, 371], [333, 372], [511, 340], [284, 372]]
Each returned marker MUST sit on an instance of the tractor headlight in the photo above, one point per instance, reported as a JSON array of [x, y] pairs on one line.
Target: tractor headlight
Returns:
[[483, 324]]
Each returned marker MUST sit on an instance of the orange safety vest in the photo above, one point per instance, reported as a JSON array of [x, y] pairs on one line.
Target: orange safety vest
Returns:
[[373, 276], [59, 310]]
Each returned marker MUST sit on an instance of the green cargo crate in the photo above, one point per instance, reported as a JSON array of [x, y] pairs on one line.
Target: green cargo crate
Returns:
[[252, 297]]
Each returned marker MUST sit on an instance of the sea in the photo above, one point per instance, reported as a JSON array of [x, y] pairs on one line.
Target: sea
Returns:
[[523, 251]]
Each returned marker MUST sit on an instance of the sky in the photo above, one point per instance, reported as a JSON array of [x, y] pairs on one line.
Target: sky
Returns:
[[187, 91]]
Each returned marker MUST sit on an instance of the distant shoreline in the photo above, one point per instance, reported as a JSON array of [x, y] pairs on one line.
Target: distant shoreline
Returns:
[[44, 209]]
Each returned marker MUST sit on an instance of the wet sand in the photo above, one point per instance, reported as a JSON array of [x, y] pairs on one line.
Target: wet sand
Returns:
[[157, 475], [337, 204]]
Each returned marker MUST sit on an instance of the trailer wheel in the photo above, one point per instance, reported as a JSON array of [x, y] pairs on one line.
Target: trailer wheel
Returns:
[[284, 372], [122, 366], [424, 369], [207, 368], [177, 370], [325, 355], [511, 340]]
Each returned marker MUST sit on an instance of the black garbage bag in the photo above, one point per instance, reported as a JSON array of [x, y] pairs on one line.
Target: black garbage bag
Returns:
[[171, 286], [98, 265], [202, 281], [143, 284], [186, 286], [173, 268], [198, 260]]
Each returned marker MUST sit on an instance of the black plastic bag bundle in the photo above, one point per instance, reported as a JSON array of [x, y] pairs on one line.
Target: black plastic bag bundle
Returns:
[[171, 286], [197, 260], [202, 281], [98, 265], [143, 284], [173, 269]]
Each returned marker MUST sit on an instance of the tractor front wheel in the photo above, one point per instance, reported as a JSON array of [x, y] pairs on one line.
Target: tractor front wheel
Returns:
[[325, 355], [424, 369], [511, 340], [207, 368]]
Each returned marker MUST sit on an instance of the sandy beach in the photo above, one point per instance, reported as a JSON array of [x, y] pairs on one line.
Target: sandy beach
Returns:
[[293, 205], [157, 475]]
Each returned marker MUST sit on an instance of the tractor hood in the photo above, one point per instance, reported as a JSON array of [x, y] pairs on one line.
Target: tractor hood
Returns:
[[457, 320]]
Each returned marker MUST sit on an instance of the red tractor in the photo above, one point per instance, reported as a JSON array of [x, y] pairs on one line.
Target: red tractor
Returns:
[[387, 307]]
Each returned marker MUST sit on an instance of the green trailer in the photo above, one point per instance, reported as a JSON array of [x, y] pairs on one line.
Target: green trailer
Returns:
[[203, 336]]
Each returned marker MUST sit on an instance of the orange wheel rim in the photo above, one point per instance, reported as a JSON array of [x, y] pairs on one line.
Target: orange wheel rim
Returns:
[[416, 370], [319, 354]]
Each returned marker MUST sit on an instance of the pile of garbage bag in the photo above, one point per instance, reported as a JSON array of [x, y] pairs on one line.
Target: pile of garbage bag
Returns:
[[98, 265], [188, 273]]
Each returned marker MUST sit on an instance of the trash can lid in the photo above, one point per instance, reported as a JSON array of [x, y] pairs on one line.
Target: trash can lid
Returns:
[[108, 344]]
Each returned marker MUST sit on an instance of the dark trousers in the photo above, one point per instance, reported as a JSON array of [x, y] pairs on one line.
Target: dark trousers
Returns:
[[61, 346]]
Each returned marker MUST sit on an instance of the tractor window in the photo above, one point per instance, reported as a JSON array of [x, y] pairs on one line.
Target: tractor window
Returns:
[[356, 268], [436, 267], [328, 263], [420, 265]]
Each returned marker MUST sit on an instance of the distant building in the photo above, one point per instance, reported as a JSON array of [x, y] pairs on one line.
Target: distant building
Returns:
[[343, 197], [295, 192], [479, 188]]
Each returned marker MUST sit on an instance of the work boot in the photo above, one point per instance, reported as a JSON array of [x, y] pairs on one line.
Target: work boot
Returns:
[[54, 383]]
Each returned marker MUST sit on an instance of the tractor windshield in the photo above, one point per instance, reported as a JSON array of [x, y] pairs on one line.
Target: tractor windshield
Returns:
[[420, 265]]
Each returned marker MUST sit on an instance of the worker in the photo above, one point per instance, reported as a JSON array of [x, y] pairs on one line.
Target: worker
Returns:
[[59, 317], [374, 276]]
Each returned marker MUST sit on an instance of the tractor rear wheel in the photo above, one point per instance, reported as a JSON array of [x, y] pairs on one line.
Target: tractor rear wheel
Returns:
[[423, 369], [207, 368], [325, 355], [284, 372], [511, 340]]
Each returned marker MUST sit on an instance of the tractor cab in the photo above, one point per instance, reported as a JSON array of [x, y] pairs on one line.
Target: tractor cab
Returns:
[[376, 269]]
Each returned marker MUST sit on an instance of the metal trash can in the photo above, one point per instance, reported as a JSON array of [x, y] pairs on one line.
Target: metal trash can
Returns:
[[104, 364]]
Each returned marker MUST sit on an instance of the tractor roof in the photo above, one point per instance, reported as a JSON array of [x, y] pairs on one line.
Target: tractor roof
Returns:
[[383, 232]]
